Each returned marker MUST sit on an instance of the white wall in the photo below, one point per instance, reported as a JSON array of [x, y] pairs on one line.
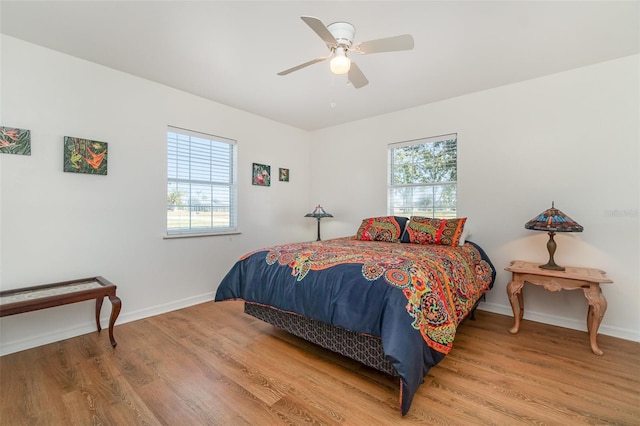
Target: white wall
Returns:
[[572, 138], [57, 226]]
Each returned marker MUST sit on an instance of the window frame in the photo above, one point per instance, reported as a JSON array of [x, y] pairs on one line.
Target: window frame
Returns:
[[392, 187], [200, 163]]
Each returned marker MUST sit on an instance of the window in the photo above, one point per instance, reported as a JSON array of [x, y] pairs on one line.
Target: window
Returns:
[[201, 184], [423, 177]]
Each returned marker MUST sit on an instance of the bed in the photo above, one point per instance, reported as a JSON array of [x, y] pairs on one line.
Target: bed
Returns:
[[390, 297]]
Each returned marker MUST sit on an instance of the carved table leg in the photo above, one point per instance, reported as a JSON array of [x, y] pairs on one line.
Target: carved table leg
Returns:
[[514, 291], [98, 309], [597, 308], [116, 304]]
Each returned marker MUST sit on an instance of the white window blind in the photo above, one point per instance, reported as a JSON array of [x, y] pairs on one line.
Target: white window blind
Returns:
[[422, 178], [201, 183]]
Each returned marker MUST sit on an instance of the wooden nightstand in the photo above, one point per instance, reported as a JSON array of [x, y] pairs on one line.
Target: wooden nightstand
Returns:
[[572, 278]]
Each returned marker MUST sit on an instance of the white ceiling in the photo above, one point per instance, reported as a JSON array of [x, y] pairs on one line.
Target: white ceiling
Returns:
[[231, 51]]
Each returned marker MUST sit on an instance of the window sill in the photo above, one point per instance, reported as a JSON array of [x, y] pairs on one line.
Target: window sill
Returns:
[[200, 234]]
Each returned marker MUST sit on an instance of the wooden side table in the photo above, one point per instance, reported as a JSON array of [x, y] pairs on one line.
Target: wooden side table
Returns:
[[572, 278], [46, 296]]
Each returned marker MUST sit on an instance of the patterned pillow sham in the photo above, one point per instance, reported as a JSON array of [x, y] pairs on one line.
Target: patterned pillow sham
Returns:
[[426, 230], [385, 228]]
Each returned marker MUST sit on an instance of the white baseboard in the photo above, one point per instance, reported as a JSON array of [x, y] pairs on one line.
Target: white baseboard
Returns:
[[622, 333], [90, 326]]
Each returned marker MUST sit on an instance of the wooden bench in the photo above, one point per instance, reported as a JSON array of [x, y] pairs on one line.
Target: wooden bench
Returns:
[[34, 298]]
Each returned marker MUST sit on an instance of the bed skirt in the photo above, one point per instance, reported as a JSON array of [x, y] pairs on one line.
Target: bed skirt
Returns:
[[360, 347]]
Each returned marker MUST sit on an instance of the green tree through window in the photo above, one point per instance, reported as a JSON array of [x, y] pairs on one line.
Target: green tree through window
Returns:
[[423, 177]]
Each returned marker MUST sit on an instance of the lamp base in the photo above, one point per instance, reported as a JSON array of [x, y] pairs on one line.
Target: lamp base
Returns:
[[551, 248], [551, 266], [318, 230]]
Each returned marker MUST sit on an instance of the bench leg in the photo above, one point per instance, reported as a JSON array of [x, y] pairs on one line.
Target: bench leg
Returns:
[[98, 309], [116, 305]]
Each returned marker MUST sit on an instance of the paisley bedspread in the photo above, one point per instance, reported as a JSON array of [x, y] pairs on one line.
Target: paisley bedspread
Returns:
[[411, 296]]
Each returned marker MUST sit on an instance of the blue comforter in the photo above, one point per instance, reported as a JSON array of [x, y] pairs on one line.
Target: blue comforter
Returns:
[[411, 296]]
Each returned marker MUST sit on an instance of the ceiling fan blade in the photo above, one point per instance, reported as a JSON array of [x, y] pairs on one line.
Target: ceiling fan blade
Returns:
[[320, 29], [389, 44], [299, 67], [356, 77]]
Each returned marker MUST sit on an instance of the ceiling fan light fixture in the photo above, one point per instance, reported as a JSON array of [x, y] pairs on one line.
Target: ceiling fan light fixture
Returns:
[[340, 64], [339, 38]]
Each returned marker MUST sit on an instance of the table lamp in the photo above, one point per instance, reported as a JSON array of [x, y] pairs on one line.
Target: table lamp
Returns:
[[318, 213], [553, 220]]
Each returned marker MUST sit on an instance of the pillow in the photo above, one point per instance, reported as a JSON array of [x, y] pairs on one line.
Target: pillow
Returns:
[[466, 233], [425, 230], [385, 228]]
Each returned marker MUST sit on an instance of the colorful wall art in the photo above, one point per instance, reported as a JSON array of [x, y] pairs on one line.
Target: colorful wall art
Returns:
[[284, 175], [261, 175], [15, 141], [85, 156]]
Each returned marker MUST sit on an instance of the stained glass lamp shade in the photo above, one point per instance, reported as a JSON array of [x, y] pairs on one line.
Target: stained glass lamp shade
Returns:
[[553, 220], [318, 213]]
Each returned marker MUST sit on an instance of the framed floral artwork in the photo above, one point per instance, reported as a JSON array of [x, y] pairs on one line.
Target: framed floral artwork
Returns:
[[15, 141], [283, 175], [261, 175], [85, 156]]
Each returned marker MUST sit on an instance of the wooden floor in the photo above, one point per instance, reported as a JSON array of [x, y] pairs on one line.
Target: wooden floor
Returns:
[[211, 364]]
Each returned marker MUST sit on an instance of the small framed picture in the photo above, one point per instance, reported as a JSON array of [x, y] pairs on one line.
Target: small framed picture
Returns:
[[85, 156], [283, 175], [15, 141], [261, 175]]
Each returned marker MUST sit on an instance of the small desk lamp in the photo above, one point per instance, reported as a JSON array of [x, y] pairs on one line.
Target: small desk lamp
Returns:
[[553, 220], [318, 213]]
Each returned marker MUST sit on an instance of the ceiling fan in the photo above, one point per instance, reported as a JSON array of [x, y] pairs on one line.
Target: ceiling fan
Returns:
[[339, 39]]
